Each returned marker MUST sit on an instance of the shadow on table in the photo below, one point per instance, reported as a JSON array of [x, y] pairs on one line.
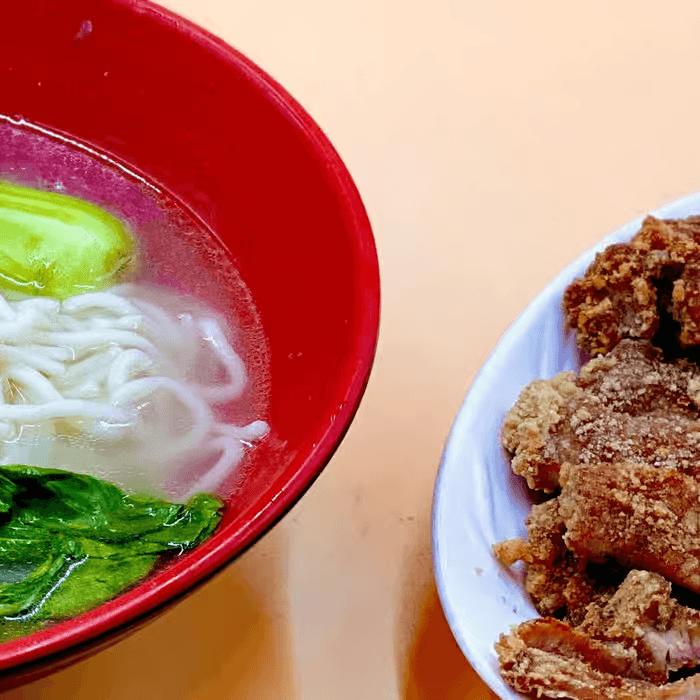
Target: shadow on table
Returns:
[[435, 667], [221, 642]]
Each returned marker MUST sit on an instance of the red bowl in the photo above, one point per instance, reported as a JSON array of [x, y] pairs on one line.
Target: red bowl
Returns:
[[195, 116]]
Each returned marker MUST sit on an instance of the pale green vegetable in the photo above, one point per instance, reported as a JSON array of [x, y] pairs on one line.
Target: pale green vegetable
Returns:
[[55, 245]]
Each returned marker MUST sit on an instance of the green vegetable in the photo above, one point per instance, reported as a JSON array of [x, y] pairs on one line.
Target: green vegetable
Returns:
[[55, 245], [70, 541]]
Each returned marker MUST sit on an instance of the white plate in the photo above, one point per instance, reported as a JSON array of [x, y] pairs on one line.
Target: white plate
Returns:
[[478, 500]]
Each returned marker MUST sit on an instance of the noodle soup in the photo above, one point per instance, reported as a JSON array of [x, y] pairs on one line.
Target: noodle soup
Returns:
[[124, 400]]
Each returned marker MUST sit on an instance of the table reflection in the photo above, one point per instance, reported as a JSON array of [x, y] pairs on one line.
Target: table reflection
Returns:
[[436, 668]]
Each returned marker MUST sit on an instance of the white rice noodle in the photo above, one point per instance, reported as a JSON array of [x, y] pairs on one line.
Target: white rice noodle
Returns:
[[126, 385], [65, 408], [232, 362], [247, 433], [231, 453]]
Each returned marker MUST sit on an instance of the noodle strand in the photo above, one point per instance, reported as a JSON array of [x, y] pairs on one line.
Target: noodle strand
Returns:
[[126, 373]]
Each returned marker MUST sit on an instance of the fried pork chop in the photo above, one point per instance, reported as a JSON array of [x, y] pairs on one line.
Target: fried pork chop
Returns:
[[644, 624], [640, 628], [640, 288], [627, 406], [546, 657], [641, 516], [556, 578]]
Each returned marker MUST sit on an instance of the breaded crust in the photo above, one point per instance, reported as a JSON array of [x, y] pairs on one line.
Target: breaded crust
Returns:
[[641, 516], [636, 289], [627, 406]]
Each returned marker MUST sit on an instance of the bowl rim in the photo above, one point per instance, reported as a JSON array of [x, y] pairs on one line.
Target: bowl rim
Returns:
[[481, 385], [167, 587]]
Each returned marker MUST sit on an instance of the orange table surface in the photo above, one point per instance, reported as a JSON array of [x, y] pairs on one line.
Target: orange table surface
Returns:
[[492, 142]]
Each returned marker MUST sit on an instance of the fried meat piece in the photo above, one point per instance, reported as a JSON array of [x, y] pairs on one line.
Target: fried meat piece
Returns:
[[536, 431], [656, 632], [632, 289], [641, 516], [556, 579], [548, 658], [627, 406], [637, 621], [638, 633]]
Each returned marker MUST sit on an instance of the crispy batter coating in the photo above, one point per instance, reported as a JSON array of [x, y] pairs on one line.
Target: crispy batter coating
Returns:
[[556, 579], [536, 429], [642, 516], [636, 289], [627, 406], [546, 657], [657, 634], [637, 633]]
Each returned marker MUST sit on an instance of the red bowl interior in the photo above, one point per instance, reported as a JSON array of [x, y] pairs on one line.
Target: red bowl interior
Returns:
[[177, 104]]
